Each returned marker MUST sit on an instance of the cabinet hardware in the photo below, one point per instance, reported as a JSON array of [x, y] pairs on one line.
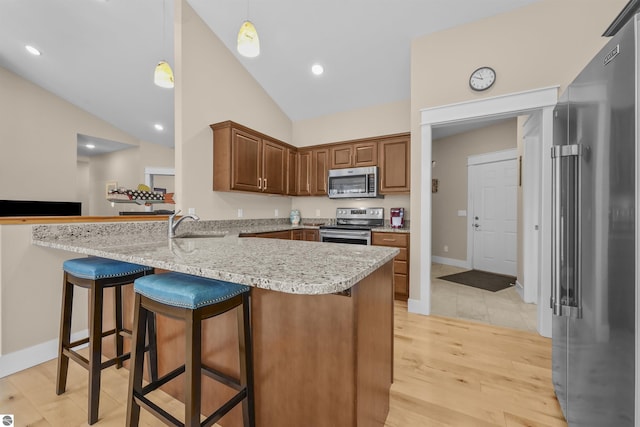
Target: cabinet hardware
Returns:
[[260, 183], [265, 184]]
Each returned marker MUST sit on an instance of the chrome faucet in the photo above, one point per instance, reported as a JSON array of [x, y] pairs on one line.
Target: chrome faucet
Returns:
[[173, 225]]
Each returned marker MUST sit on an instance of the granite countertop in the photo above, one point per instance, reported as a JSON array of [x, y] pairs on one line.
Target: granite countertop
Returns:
[[290, 266], [389, 229]]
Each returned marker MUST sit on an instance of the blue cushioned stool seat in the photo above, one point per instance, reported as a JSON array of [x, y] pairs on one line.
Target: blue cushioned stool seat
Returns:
[[193, 300], [185, 290], [97, 274], [95, 268]]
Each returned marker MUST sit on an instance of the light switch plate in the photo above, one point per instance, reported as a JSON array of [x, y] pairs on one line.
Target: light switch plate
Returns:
[[240, 213], [462, 213]]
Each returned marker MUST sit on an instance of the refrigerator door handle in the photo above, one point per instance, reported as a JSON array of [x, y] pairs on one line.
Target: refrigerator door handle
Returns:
[[556, 242], [566, 261]]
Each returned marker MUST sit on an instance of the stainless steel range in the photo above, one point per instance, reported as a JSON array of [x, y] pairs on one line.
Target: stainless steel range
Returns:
[[353, 226]]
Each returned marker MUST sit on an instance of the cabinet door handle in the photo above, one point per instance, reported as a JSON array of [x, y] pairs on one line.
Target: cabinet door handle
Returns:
[[388, 240], [265, 184], [259, 183]]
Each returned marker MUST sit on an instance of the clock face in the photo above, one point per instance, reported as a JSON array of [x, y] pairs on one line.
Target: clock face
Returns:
[[482, 78]]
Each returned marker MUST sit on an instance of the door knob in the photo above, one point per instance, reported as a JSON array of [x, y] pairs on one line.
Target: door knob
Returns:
[[476, 225]]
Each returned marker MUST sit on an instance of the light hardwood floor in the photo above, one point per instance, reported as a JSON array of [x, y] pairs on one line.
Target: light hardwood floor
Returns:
[[448, 372]]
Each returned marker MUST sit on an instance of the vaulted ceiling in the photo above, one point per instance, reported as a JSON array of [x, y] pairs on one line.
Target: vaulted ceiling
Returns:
[[100, 54]]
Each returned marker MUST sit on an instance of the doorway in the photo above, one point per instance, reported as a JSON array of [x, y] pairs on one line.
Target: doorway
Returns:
[[511, 105], [492, 207]]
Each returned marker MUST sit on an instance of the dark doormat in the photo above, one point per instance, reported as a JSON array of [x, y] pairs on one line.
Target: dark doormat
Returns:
[[481, 279]]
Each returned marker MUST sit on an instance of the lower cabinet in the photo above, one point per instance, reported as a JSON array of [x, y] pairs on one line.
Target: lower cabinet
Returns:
[[400, 262], [308, 234]]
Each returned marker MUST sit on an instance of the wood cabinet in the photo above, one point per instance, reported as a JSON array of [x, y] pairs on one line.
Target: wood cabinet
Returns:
[[311, 235], [296, 235], [353, 155], [400, 262], [319, 171], [292, 172], [303, 181], [394, 165], [284, 235], [246, 160]]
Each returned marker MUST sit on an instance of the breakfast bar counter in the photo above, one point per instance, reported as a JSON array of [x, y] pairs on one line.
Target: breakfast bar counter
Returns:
[[322, 317]]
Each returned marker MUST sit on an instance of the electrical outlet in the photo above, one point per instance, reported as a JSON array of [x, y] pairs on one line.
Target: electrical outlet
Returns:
[[276, 213], [192, 211], [446, 248], [240, 213], [317, 212]]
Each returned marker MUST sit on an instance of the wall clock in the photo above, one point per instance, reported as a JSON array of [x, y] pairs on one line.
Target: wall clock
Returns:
[[482, 78]]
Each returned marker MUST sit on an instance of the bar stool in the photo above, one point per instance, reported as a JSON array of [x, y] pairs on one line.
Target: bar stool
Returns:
[[96, 274], [192, 299]]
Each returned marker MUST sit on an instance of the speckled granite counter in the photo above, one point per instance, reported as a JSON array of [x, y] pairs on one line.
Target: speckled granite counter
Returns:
[[304, 329], [297, 267], [389, 229]]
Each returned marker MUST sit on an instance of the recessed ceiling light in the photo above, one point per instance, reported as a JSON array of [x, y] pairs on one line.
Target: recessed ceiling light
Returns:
[[32, 50], [317, 69], [90, 146], [158, 126]]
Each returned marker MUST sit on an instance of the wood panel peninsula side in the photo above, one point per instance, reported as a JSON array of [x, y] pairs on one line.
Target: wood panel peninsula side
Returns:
[[322, 319]]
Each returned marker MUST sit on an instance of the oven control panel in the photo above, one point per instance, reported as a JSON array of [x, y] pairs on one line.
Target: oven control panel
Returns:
[[360, 213]]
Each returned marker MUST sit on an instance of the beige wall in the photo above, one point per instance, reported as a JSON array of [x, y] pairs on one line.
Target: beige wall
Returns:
[[38, 137], [450, 155], [126, 167], [543, 44], [31, 291], [212, 86], [378, 120]]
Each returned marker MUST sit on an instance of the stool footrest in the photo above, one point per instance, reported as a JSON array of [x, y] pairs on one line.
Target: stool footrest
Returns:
[[215, 417], [225, 379], [157, 411], [163, 380]]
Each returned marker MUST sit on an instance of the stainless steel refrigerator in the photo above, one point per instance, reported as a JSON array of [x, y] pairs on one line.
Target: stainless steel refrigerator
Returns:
[[593, 293]]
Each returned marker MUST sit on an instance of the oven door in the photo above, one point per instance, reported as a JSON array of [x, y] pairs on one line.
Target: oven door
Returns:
[[353, 237]]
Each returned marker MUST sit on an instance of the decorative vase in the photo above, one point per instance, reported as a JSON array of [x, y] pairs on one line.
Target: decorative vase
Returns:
[[294, 216]]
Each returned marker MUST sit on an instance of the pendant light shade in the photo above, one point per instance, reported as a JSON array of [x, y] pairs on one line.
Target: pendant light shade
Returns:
[[248, 41], [163, 76]]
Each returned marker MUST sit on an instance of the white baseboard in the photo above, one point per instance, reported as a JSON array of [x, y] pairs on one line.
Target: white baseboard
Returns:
[[418, 306], [450, 261], [520, 289], [32, 356]]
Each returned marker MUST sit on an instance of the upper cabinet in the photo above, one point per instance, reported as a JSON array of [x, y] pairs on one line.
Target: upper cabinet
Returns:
[[319, 171], [246, 160], [394, 165], [303, 175], [292, 172], [353, 155]]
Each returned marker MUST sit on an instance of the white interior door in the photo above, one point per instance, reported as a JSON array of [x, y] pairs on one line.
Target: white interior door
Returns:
[[531, 215], [494, 216]]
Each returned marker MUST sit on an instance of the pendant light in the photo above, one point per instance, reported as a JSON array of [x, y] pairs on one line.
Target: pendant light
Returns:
[[163, 75], [248, 41]]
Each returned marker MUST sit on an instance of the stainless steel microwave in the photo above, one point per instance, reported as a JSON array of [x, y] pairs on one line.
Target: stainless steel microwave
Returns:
[[353, 183]]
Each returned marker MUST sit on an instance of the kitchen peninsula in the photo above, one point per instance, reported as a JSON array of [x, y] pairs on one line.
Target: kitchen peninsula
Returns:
[[322, 316]]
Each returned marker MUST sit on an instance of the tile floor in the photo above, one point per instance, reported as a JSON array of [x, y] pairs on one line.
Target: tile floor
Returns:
[[502, 308]]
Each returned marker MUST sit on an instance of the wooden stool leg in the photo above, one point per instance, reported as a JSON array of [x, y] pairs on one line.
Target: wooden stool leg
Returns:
[[95, 350], [246, 359], [193, 369], [117, 309], [137, 361], [65, 335], [153, 347]]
